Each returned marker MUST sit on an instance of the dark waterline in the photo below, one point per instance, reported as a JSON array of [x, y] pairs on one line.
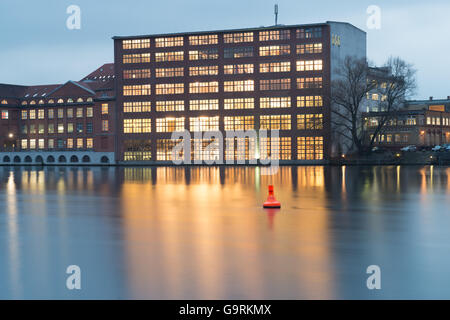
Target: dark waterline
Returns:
[[201, 233]]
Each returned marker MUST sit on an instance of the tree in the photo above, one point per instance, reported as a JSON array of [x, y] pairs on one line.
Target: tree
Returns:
[[355, 80]]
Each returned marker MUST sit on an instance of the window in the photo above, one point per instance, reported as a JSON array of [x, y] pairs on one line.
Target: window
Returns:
[[278, 148], [310, 121], [309, 83], [309, 65], [239, 52], [51, 113], [79, 112], [89, 112], [169, 72], [79, 128], [274, 35], [238, 37], [203, 39], [169, 56], [137, 90], [204, 54], [79, 143], [239, 103], [136, 74], [169, 42], [24, 144], [275, 67], [89, 143], [51, 143], [5, 115], [135, 58], [169, 124], [170, 105], [164, 149], [275, 84], [203, 71], [137, 125], [209, 104], [275, 102], [138, 106], [41, 143], [137, 150], [309, 33], [205, 149], [309, 48], [280, 50], [240, 148], [24, 114], [169, 88], [239, 123], [105, 126], [41, 114], [32, 143], [135, 44], [239, 85], [69, 127], [41, 128], [204, 87], [204, 124], [70, 143], [238, 68], [51, 128], [32, 128], [105, 108], [89, 127], [69, 113], [309, 101], [275, 122], [309, 148], [60, 127], [32, 114]]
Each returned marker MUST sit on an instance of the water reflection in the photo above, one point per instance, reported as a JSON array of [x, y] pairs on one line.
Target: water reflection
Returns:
[[177, 232]]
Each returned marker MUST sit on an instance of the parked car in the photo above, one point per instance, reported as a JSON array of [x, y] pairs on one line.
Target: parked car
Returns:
[[425, 148], [409, 149], [379, 150], [437, 148]]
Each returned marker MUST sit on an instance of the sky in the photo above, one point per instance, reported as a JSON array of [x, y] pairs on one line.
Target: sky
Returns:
[[36, 47]]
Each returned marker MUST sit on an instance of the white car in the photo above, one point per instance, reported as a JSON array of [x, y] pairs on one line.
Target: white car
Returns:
[[409, 148], [437, 148]]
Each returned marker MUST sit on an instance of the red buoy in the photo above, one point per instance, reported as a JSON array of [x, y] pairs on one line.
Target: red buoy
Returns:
[[271, 201]]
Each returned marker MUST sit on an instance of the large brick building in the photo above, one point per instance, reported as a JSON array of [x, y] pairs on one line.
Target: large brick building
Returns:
[[275, 78]]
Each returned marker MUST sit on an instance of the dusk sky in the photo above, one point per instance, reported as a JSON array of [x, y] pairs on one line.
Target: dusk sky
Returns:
[[37, 47]]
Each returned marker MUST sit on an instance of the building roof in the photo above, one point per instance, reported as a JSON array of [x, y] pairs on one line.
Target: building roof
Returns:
[[104, 72], [279, 26]]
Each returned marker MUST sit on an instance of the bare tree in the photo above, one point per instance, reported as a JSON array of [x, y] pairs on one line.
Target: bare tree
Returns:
[[399, 85], [349, 91]]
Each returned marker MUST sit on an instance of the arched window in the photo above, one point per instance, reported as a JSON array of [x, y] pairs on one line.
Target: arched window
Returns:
[[51, 101], [70, 100], [32, 102], [4, 102], [60, 101], [24, 103], [80, 100], [89, 100], [41, 101]]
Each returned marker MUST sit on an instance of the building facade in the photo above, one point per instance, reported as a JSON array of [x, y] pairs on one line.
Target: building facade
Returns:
[[273, 78], [423, 123], [72, 122]]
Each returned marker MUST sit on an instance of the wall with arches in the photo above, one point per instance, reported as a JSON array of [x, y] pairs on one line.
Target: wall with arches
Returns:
[[57, 158]]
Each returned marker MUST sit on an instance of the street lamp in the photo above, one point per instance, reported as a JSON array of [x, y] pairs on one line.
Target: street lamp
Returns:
[[11, 135]]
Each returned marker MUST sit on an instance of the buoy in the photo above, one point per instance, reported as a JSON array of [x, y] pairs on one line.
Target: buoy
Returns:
[[271, 202]]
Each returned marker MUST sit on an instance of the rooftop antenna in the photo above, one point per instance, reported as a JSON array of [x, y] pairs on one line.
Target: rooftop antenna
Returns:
[[276, 14]]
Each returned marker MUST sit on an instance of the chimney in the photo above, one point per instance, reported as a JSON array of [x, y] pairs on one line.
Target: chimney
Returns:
[[431, 98], [448, 97]]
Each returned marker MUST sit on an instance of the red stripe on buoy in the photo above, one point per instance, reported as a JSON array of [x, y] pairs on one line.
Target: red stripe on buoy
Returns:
[[271, 202]]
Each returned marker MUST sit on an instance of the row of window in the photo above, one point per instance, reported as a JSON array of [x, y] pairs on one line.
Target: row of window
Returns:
[[79, 143], [61, 128], [237, 37], [308, 148], [69, 112], [229, 53], [212, 70], [229, 104], [52, 101], [312, 121], [228, 86]]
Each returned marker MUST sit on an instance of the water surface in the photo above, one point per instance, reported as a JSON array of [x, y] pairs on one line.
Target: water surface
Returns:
[[201, 233]]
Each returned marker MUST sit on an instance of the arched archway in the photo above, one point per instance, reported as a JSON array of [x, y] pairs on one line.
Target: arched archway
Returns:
[[50, 159], [6, 159], [104, 159], [17, 159], [73, 159], [86, 159], [39, 159], [62, 159], [28, 159]]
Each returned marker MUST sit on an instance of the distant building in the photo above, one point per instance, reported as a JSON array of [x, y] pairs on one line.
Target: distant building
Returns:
[[419, 122], [62, 123]]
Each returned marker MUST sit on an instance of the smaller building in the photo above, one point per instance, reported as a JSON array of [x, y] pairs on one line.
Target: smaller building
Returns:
[[419, 122]]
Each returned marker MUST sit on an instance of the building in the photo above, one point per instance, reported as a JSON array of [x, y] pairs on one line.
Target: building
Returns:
[[419, 122], [72, 122], [275, 78]]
